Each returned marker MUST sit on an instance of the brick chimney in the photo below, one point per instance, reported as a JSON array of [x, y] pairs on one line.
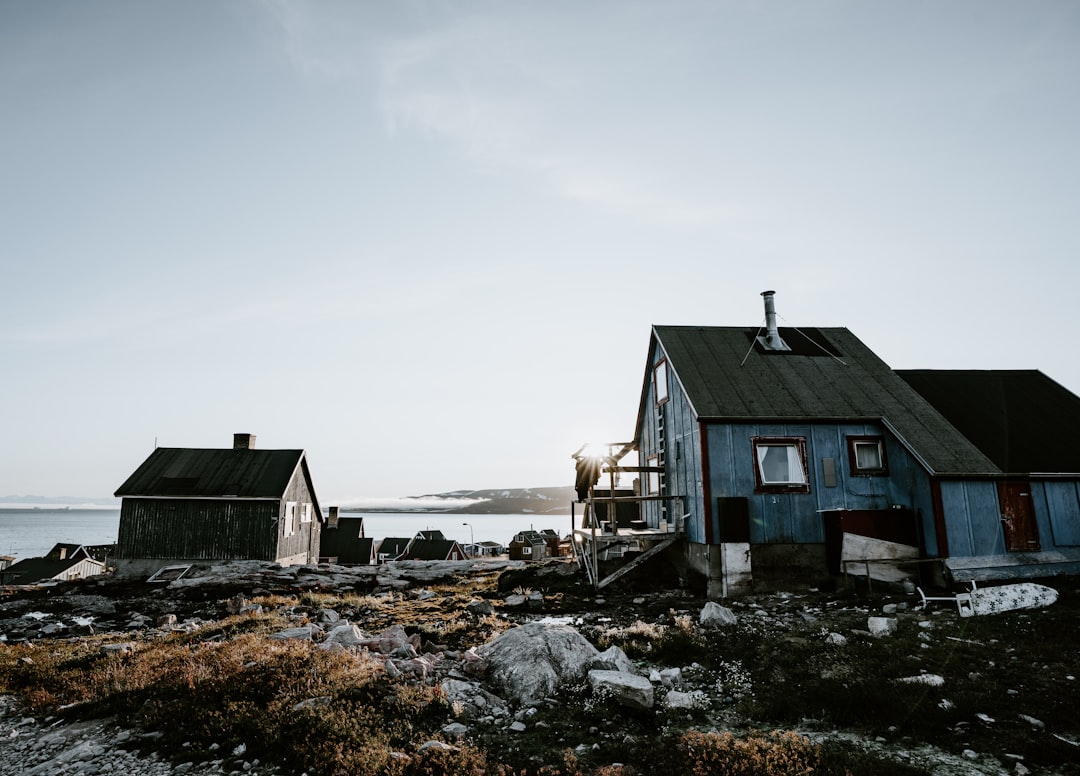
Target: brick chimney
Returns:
[[243, 441], [332, 518]]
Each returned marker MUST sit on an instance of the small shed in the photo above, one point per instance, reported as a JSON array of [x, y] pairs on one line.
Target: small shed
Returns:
[[553, 540], [199, 505]]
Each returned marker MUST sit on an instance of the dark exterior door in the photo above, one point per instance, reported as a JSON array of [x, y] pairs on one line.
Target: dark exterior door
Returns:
[[1018, 517]]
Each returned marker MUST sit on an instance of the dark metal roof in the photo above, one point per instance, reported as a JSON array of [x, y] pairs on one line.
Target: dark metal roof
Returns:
[[32, 570], [1021, 419], [528, 537], [393, 546], [430, 549], [190, 472], [830, 375]]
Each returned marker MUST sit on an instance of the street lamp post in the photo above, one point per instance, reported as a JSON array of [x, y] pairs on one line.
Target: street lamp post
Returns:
[[472, 538]]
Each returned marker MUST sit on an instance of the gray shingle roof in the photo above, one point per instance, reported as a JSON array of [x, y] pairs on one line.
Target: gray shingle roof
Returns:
[[728, 378], [180, 472]]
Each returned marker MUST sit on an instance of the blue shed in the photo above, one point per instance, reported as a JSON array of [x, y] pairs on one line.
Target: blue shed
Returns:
[[777, 440]]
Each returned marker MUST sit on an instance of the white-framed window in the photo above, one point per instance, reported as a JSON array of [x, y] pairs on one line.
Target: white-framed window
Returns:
[[288, 522], [660, 381], [780, 465], [305, 514], [526, 550], [867, 456]]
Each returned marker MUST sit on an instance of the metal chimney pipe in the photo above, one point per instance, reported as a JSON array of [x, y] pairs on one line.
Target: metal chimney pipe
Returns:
[[772, 340]]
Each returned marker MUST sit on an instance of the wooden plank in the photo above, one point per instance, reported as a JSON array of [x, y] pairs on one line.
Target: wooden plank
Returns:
[[654, 550]]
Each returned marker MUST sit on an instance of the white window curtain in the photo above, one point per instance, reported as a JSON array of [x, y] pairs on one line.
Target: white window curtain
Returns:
[[780, 464], [868, 455]]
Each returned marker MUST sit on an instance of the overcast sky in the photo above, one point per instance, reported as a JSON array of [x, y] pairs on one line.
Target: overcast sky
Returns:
[[426, 241]]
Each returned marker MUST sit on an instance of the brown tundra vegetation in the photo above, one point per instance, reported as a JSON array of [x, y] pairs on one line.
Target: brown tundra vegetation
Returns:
[[325, 670]]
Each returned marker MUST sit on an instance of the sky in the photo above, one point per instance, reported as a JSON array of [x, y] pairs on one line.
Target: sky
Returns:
[[425, 241]]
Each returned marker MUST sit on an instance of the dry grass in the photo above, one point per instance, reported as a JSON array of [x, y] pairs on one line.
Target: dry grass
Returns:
[[336, 713]]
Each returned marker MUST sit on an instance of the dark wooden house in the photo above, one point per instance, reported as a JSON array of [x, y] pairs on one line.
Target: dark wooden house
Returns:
[[433, 549], [343, 542], [763, 447], [192, 506], [392, 548], [527, 545]]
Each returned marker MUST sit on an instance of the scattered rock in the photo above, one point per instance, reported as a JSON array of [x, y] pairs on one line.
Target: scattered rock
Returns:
[[635, 692], [881, 626], [344, 636], [303, 633], [480, 608], [931, 680], [713, 615], [685, 700], [455, 730], [612, 659], [671, 677]]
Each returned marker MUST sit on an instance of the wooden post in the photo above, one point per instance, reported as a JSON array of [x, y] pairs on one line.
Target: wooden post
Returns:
[[612, 513], [592, 544]]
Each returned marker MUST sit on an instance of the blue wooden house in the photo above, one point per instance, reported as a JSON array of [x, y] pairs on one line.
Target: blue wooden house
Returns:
[[765, 446]]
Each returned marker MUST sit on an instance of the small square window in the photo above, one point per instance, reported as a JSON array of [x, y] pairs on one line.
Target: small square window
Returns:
[[780, 465], [867, 456]]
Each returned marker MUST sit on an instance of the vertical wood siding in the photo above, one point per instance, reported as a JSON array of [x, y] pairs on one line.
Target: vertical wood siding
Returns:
[[306, 536], [972, 517], [682, 438], [796, 517], [1061, 499], [197, 529]]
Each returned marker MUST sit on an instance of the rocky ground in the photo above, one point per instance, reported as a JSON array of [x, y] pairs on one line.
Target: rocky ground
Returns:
[[511, 644]]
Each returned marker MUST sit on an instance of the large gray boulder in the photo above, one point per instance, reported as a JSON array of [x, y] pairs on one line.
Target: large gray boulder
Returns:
[[531, 661]]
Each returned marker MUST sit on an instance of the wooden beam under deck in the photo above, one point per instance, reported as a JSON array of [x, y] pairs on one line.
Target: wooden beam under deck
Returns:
[[656, 549]]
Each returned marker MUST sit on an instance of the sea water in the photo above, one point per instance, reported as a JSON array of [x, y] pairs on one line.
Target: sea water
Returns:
[[31, 533]]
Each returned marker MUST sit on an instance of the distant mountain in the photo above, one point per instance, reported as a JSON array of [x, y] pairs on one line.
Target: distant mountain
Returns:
[[495, 501], [101, 501], [541, 501]]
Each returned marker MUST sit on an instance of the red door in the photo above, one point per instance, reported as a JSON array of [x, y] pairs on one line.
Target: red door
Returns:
[[1018, 517]]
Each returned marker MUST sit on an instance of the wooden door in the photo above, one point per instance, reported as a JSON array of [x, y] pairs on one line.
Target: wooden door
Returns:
[[1018, 517]]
